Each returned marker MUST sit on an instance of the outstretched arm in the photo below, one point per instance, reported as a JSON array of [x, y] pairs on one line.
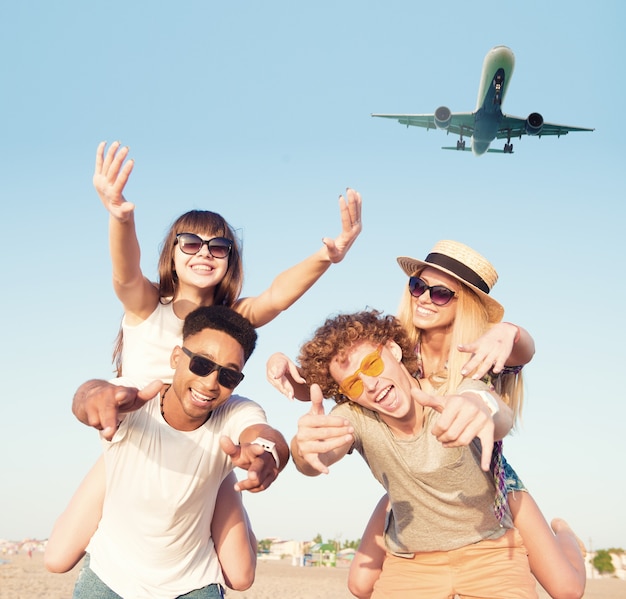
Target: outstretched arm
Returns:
[[137, 294], [100, 404], [291, 284], [321, 440], [260, 464], [467, 415], [504, 344]]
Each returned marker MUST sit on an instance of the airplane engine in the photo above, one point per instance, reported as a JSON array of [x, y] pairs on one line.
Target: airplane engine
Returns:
[[442, 117], [534, 123]]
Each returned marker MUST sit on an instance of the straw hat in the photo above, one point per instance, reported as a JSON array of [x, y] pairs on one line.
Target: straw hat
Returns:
[[464, 264]]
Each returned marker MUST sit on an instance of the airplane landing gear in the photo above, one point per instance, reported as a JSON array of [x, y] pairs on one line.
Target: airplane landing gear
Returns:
[[460, 144], [508, 146]]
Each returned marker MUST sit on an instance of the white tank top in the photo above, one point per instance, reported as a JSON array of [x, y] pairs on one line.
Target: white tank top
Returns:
[[148, 346]]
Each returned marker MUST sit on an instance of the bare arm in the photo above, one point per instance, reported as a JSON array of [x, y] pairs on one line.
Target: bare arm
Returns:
[[260, 464], [100, 404], [76, 525], [523, 347], [321, 440], [285, 376], [137, 294], [504, 344], [234, 539], [502, 419], [291, 284], [465, 416]]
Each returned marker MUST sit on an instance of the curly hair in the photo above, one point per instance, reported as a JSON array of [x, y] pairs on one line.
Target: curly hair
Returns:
[[338, 334]]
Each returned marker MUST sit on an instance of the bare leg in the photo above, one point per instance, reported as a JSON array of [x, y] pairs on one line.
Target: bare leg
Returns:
[[76, 525], [368, 560], [555, 557], [234, 539]]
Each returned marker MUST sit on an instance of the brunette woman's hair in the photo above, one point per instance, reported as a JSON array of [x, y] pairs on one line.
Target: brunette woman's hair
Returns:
[[206, 224]]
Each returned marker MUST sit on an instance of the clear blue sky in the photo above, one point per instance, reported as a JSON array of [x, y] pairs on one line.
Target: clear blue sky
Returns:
[[261, 111]]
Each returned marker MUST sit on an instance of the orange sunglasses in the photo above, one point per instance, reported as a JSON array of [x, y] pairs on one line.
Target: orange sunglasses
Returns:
[[371, 365]]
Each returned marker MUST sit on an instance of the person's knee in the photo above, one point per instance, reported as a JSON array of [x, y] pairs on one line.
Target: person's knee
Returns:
[[242, 580], [567, 588], [358, 589]]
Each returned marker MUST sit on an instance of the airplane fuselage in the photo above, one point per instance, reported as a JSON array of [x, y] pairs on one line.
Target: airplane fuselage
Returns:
[[494, 82]]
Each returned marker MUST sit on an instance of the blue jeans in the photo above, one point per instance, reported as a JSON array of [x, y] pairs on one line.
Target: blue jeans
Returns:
[[89, 586]]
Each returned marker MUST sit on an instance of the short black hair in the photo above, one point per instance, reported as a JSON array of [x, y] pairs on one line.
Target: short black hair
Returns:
[[222, 318]]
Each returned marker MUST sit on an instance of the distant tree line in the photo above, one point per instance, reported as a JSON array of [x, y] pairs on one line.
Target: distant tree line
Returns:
[[264, 545], [336, 543], [602, 561]]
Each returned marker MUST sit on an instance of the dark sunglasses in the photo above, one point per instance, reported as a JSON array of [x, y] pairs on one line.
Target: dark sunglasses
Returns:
[[227, 377], [439, 295], [371, 365], [190, 243]]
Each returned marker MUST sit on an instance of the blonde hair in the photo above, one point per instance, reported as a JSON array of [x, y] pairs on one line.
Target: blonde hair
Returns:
[[471, 321]]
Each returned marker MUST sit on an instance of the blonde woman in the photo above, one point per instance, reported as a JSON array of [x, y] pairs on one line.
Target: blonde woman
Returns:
[[447, 304]]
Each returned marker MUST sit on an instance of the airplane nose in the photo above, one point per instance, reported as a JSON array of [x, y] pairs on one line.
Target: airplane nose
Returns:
[[479, 147]]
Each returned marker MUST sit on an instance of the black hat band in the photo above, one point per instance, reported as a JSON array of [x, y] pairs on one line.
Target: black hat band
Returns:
[[459, 269]]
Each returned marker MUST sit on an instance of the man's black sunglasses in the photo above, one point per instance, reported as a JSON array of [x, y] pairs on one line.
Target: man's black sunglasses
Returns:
[[202, 366]]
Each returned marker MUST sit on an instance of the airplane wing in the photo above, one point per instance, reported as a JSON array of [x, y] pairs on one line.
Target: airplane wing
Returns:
[[468, 149], [514, 126], [458, 120]]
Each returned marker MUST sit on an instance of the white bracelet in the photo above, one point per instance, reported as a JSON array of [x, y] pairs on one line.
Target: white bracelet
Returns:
[[269, 446], [490, 401]]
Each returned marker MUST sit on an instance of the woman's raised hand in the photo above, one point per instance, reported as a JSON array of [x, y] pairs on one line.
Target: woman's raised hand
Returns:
[[110, 177]]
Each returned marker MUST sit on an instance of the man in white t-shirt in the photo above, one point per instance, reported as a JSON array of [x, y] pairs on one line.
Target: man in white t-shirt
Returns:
[[166, 450]]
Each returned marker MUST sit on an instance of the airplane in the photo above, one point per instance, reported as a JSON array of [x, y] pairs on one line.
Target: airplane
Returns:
[[487, 122]]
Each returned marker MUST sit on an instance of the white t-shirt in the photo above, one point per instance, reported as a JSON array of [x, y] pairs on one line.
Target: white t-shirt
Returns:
[[154, 538]]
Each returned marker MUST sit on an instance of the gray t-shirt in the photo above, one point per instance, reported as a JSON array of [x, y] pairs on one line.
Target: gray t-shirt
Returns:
[[440, 497]]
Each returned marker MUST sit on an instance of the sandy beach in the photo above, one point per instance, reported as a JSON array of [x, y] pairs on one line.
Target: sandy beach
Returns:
[[26, 578]]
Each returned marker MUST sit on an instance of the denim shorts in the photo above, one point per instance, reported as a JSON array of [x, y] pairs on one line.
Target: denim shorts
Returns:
[[89, 586], [512, 481]]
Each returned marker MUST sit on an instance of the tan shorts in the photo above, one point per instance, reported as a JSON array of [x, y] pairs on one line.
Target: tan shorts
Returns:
[[486, 570]]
